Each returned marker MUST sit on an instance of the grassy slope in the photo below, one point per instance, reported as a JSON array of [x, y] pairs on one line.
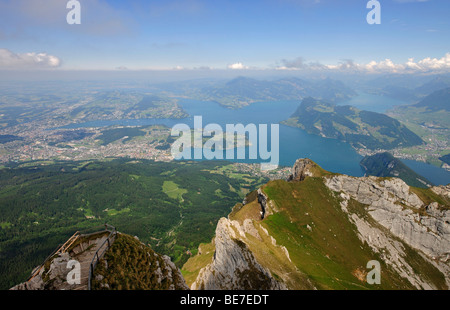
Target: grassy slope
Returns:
[[172, 206], [323, 245], [331, 253], [132, 266], [192, 267]]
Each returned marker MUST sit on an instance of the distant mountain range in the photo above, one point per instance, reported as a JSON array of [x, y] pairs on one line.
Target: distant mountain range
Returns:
[[243, 91], [431, 112], [386, 165], [407, 88], [436, 101], [362, 129], [435, 84]]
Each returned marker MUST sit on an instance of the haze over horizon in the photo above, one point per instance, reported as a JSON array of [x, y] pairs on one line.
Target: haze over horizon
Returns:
[[225, 38]]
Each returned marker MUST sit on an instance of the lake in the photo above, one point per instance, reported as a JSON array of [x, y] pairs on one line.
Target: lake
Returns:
[[374, 103], [330, 154]]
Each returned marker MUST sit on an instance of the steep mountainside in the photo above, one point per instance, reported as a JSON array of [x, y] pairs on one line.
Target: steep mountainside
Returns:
[[386, 165], [433, 111], [316, 230], [362, 129], [430, 119], [131, 265], [406, 87], [127, 265], [172, 206], [319, 230], [437, 101]]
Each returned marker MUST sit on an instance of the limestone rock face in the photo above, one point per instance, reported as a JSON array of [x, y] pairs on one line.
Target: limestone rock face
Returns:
[[389, 217], [402, 214], [172, 272], [374, 191], [443, 190], [57, 275], [234, 267], [302, 169], [391, 203], [56, 272]]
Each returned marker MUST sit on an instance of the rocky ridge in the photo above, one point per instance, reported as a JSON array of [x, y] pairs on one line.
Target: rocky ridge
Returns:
[[156, 271], [317, 230], [56, 271], [396, 221], [234, 266], [397, 213]]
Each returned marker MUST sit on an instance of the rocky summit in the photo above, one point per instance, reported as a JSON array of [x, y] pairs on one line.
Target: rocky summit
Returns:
[[320, 230], [128, 264]]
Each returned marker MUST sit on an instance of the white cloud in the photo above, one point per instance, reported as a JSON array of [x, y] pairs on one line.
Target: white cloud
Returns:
[[384, 66], [425, 65], [32, 60], [237, 66], [434, 63], [411, 65]]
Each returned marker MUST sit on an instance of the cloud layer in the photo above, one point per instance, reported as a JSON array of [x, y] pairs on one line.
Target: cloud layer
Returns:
[[237, 66], [32, 60], [384, 66], [41, 60]]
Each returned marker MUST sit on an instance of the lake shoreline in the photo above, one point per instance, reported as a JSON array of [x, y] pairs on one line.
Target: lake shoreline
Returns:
[[333, 155]]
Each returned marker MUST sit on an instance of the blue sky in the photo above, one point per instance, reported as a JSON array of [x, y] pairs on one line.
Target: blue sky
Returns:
[[219, 34]]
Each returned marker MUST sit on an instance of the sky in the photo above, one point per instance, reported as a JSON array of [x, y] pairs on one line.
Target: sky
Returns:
[[301, 35]]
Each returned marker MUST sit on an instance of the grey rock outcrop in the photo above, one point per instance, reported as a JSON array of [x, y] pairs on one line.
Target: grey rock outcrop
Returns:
[[301, 169], [391, 203], [390, 218], [172, 273], [442, 190], [54, 274], [55, 278], [234, 267], [403, 215]]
